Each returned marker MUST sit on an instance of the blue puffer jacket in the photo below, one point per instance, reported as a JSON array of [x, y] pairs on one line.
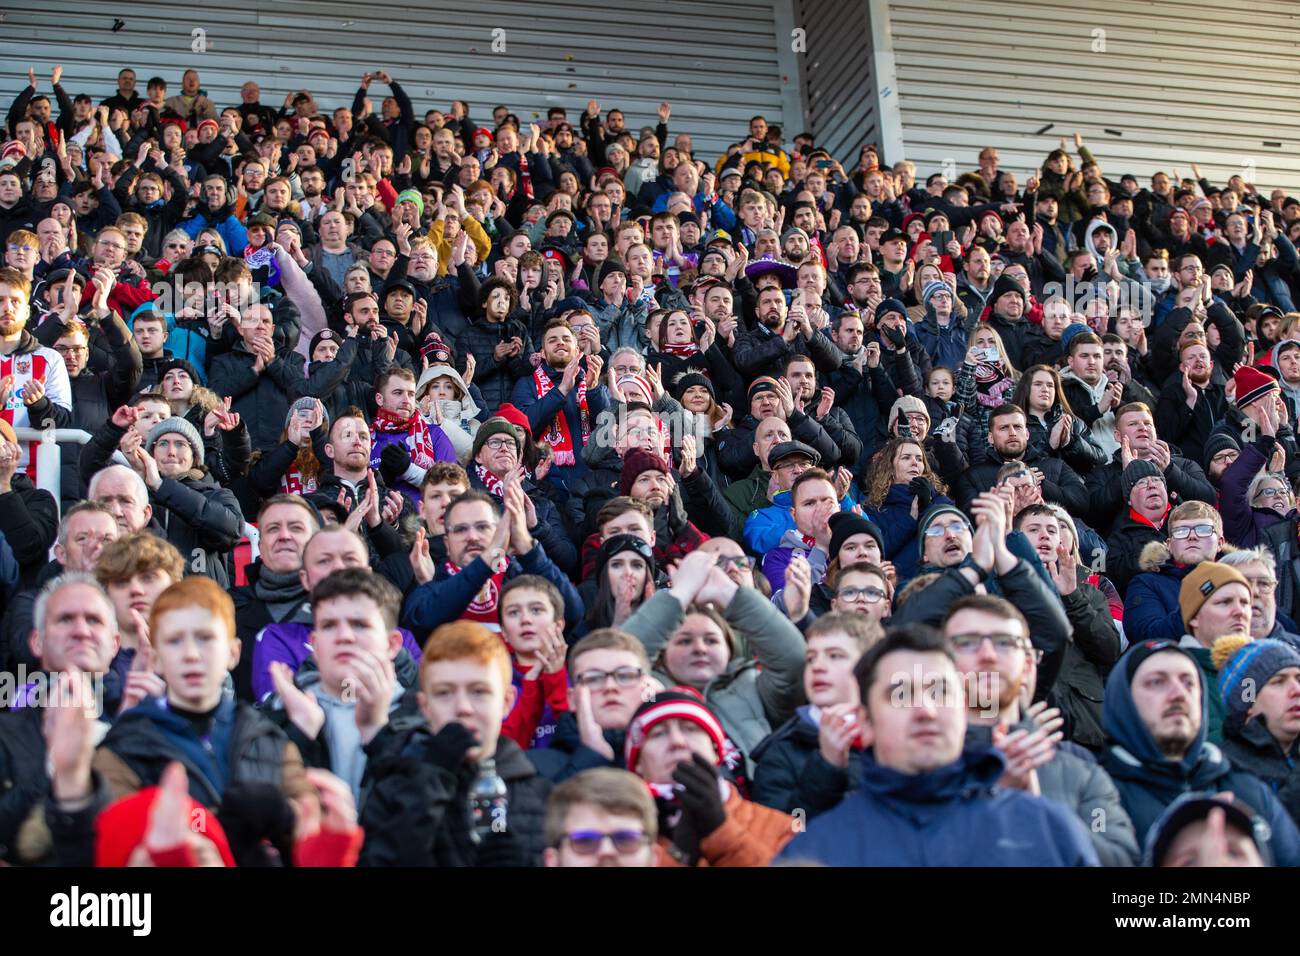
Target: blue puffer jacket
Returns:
[[899, 530], [765, 527], [1151, 610], [1148, 781], [953, 816]]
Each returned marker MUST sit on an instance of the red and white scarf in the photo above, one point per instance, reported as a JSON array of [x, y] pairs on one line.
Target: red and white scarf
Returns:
[[684, 349], [525, 178], [483, 609], [491, 482], [557, 433], [417, 431]]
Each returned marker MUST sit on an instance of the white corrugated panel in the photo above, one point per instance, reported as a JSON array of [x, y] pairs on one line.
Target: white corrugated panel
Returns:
[[837, 77], [716, 63], [1150, 85]]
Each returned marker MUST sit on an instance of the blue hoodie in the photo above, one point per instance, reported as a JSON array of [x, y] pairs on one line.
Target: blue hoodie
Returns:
[[953, 816], [1148, 781]]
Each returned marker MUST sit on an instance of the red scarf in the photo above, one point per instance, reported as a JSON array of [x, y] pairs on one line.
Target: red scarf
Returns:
[[525, 179], [483, 609], [491, 482], [417, 431], [684, 349], [557, 433], [293, 483]]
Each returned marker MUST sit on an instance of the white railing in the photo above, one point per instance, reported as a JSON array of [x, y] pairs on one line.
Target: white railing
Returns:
[[44, 444]]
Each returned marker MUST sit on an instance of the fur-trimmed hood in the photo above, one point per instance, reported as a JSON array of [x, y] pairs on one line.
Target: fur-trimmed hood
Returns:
[[1156, 554]]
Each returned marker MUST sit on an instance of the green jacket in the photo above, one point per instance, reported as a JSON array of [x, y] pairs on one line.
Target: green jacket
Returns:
[[748, 700], [746, 496]]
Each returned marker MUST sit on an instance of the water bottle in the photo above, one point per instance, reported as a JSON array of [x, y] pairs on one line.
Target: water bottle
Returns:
[[488, 801]]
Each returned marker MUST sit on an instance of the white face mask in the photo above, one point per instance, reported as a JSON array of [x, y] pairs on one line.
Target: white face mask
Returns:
[[1161, 284]]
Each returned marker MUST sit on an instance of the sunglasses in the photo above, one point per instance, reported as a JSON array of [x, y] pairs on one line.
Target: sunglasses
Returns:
[[589, 842]]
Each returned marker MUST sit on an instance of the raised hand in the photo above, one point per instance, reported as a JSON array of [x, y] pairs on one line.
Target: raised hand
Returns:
[[798, 587], [838, 731]]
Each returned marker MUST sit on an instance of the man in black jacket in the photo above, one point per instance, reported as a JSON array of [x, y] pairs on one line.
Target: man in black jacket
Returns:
[[29, 516], [1192, 402], [781, 331], [418, 810], [1008, 440], [768, 398]]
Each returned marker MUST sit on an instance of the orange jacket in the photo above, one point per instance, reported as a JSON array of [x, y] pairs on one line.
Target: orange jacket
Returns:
[[751, 836]]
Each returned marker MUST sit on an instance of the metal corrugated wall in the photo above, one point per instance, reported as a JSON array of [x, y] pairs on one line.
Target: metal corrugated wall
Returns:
[[837, 76], [717, 63], [1175, 80]]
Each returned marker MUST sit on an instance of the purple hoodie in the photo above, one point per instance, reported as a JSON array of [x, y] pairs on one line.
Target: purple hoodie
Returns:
[[289, 643]]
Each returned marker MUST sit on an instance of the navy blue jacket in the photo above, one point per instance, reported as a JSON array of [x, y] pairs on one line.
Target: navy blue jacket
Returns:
[[1148, 781], [1151, 610], [953, 816], [898, 527]]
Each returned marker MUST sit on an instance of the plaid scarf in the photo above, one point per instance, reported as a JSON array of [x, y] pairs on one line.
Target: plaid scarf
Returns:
[[557, 433], [417, 435]]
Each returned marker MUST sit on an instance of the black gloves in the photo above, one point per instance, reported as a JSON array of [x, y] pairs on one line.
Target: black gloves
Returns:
[[252, 813], [921, 489], [393, 462], [897, 337], [447, 748], [701, 803]]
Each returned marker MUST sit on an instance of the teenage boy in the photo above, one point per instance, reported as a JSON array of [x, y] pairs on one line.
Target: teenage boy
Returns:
[[417, 811], [219, 741], [601, 817], [811, 760]]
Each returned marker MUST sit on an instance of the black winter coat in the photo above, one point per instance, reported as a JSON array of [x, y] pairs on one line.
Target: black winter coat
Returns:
[[1184, 478], [263, 399], [416, 813], [496, 380], [1124, 549], [1092, 649], [202, 519], [1250, 747], [1061, 484], [790, 772], [29, 520]]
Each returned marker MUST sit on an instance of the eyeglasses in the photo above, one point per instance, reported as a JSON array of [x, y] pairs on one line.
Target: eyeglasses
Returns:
[[1003, 644], [1224, 457], [952, 527], [741, 562], [1185, 531], [1272, 493], [500, 442], [71, 349], [623, 677], [870, 595], [589, 842], [482, 527], [14, 247]]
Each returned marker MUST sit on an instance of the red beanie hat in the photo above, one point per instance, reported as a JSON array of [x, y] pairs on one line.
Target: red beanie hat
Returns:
[[122, 827], [209, 122], [1252, 384], [680, 703], [636, 461], [515, 417]]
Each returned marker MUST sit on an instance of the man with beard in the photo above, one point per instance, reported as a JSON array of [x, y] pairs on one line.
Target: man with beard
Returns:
[[496, 460], [863, 389], [974, 285], [563, 399], [1136, 432], [1008, 440], [1155, 716], [217, 212], [996, 663], [1191, 404], [780, 332], [1008, 303], [444, 304], [261, 379], [648, 477], [313, 203]]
